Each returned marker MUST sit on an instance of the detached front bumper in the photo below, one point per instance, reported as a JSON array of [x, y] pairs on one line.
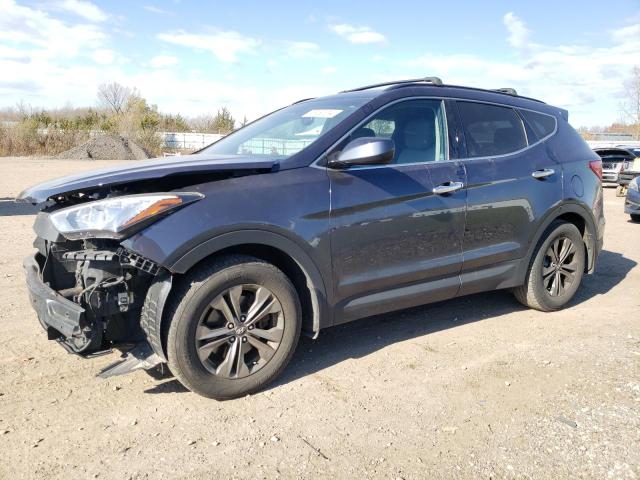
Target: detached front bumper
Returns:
[[72, 327], [60, 317]]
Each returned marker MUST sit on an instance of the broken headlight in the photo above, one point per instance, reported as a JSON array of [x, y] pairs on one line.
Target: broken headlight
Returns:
[[118, 216]]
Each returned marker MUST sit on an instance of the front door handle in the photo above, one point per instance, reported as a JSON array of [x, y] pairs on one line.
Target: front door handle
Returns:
[[448, 187], [544, 173]]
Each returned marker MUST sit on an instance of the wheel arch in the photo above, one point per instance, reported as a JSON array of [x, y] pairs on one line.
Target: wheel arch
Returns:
[[279, 250], [578, 215]]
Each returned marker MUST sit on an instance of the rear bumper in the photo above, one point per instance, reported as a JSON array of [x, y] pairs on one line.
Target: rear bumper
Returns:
[[57, 315]]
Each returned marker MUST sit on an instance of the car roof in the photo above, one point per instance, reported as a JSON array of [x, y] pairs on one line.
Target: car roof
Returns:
[[433, 86], [435, 81]]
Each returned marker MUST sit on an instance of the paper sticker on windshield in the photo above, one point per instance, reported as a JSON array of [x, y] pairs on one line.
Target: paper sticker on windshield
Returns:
[[322, 113]]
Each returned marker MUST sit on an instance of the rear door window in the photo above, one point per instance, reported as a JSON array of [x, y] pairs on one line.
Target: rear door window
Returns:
[[542, 125], [491, 129]]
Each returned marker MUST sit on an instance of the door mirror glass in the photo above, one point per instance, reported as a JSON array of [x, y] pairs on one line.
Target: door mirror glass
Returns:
[[365, 151]]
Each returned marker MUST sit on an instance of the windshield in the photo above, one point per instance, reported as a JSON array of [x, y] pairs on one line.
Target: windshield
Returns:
[[288, 131]]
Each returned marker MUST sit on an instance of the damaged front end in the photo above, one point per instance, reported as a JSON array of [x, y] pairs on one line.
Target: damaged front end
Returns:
[[91, 294]]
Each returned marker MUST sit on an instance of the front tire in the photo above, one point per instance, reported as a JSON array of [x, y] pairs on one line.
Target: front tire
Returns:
[[556, 269], [234, 325]]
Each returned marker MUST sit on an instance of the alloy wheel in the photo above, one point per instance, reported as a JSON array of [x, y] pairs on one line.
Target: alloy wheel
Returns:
[[559, 266], [240, 331]]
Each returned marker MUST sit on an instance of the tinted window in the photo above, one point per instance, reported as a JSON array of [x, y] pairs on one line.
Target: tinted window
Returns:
[[417, 128], [491, 130], [542, 125]]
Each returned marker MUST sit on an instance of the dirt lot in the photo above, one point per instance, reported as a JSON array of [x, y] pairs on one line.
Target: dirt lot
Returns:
[[477, 387]]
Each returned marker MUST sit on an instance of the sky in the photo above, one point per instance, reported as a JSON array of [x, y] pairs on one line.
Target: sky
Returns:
[[253, 56]]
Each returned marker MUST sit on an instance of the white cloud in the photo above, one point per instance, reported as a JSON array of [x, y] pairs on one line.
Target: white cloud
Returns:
[[162, 61], [84, 9], [357, 35], [49, 62], [303, 50], [626, 33], [12, 53], [43, 55], [157, 10], [585, 80], [103, 56], [518, 32], [225, 45], [40, 35]]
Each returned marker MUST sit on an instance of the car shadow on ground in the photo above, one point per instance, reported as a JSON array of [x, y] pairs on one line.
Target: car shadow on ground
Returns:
[[9, 208], [363, 337]]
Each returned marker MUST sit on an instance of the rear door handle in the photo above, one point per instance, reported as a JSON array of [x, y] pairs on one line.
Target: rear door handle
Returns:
[[448, 187], [544, 173]]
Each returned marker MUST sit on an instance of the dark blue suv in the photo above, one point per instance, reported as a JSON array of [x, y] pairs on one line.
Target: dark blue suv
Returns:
[[326, 211]]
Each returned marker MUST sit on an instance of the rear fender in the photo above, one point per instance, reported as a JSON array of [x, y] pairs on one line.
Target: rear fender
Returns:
[[589, 236]]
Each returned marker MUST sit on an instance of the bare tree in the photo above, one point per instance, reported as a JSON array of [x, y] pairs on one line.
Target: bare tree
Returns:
[[631, 104], [114, 96]]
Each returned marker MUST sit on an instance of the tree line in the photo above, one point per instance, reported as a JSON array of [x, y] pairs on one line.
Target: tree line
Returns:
[[25, 130]]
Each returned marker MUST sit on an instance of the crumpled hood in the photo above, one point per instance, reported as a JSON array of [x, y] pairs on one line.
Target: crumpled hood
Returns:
[[144, 170]]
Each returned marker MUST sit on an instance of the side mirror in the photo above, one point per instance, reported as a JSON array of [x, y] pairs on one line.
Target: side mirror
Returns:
[[365, 151]]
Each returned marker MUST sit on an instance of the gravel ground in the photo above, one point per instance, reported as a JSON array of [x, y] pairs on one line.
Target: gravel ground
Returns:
[[477, 387], [106, 147]]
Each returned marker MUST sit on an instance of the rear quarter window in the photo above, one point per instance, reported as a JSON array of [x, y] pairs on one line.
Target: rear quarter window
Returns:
[[541, 124], [491, 129]]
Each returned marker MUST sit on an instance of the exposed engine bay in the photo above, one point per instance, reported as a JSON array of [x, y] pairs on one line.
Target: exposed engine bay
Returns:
[[108, 282]]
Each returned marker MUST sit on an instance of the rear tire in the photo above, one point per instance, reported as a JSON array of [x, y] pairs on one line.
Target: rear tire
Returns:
[[555, 270], [234, 325], [635, 217]]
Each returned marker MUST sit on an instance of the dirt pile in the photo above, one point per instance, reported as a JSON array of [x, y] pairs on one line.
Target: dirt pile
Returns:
[[106, 147]]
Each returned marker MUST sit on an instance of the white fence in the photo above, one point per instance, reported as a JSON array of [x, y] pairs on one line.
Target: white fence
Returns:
[[189, 140], [611, 144], [255, 146]]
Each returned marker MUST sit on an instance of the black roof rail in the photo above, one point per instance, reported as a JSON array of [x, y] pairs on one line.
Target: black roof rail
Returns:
[[508, 91], [504, 91], [431, 80], [303, 100], [436, 81]]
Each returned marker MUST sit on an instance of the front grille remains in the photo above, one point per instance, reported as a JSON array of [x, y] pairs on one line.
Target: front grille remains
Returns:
[[125, 257], [137, 261]]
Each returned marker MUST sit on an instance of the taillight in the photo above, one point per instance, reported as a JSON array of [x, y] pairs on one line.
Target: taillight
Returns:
[[596, 167]]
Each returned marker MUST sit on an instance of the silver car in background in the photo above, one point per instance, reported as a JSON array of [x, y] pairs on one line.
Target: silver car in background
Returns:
[[614, 161]]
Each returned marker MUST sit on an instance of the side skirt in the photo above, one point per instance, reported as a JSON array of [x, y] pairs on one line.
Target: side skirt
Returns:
[[397, 299], [494, 277]]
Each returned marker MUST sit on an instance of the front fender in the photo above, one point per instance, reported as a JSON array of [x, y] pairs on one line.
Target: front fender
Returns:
[[315, 282]]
